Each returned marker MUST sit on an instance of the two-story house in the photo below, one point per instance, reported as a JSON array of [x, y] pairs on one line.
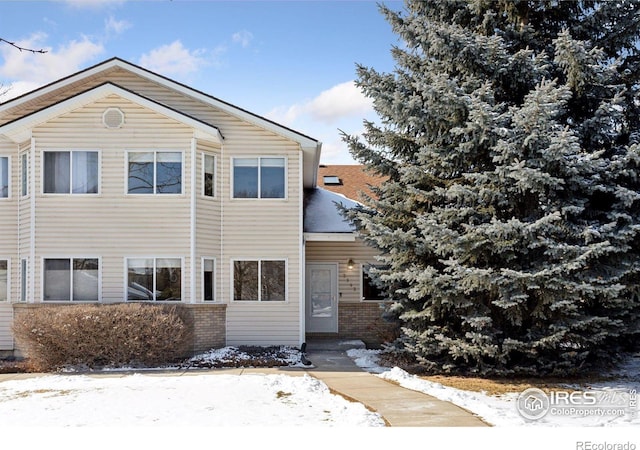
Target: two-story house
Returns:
[[120, 185]]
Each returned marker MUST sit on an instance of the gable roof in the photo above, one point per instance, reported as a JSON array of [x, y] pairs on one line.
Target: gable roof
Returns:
[[352, 180], [18, 130], [310, 147]]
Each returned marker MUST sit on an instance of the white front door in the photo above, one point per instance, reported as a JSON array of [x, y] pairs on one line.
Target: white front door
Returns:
[[321, 293]]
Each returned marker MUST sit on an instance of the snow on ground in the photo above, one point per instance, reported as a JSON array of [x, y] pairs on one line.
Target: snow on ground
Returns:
[[183, 400], [502, 411], [153, 409]]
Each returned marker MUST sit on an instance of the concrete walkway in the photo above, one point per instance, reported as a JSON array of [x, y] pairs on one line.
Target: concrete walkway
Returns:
[[399, 406]]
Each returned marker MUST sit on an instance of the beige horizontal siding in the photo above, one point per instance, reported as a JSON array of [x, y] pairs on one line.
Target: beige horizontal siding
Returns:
[[113, 226], [349, 280], [275, 323], [6, 321], [9, 208], [262, 228]]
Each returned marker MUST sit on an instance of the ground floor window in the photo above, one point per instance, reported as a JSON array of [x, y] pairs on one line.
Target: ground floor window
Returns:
[[154, 279], [23, 280], [370, 291], [208, 279], [259, 280], [71, 279], [4, 280]]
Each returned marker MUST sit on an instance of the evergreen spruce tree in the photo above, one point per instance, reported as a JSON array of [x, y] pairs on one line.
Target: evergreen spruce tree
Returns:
[[510, 225]]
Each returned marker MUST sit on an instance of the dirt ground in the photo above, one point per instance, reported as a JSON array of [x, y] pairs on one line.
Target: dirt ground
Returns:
[[504, 386]]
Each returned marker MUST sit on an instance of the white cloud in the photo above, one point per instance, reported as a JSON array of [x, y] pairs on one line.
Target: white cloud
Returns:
[[243, 38], [173, 59], [344, 100], [113, 26], [24, 71]]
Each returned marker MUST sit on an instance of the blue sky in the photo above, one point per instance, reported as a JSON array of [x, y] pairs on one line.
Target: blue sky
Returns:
[[291, 61]]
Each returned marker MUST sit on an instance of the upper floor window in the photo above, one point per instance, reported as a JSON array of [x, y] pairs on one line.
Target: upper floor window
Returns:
[[71, 279], [4, 280], [4, 176], [259, 177], [25, 172], [209, 170], [71, 172], [154, 172]]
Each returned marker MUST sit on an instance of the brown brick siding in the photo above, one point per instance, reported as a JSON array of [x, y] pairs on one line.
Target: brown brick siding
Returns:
[[361, 321], [209, 323]]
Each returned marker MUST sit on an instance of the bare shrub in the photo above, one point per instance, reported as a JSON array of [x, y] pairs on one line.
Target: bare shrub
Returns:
[[53, 337]]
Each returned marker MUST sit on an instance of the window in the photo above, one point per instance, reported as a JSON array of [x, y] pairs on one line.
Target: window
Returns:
[[4, 177], [23, 280], [209, 170], [258, 178], [155, 173], [208, 279], [74, 172], [370, 291], [4, 280], [25, 174], [259, 280], [154, 279], [331, 180], [74, 279]]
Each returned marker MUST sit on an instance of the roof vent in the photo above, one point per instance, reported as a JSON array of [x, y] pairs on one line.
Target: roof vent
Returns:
[[113, 118]]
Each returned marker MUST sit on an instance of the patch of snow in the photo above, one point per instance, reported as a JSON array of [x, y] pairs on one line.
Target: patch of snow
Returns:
[[211, 399], [501, 410]]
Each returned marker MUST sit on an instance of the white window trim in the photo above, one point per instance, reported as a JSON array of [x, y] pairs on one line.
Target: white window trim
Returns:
[[155, 153], [259, 300], [9, 180], [215, 175], [71, 258], [259, 157], [215, 279], [9, 298], [70, 150], [154, 258]]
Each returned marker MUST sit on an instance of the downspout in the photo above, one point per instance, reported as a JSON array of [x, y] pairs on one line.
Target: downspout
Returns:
[[192, 234]]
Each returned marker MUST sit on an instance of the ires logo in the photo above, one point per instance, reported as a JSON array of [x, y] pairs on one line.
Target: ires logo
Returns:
[[575, 398], [534, 404]]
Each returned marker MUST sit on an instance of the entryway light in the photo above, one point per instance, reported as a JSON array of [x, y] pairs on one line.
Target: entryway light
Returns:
[[350, 264]]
